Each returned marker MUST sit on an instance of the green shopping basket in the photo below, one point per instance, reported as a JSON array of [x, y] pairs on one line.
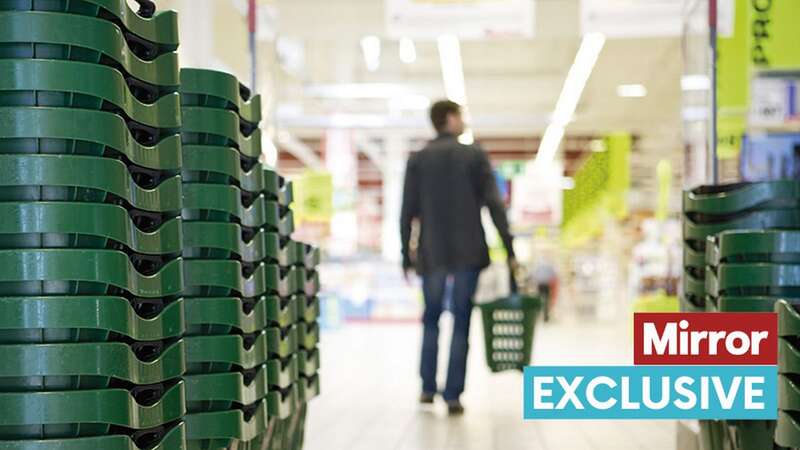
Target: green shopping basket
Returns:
[[508, 326]]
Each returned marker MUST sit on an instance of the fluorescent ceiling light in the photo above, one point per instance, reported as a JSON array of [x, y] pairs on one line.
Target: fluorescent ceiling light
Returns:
[[696, 82], [408, 52], [550, 142], [631, 90], [453, 76], [452, 69], [371, 47], [576, 80]]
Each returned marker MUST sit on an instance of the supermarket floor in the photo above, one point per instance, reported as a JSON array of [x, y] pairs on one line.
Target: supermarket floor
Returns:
[[370, 387]]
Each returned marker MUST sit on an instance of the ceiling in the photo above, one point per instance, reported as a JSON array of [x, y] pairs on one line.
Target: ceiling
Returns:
[[512, 84], [517, 81]]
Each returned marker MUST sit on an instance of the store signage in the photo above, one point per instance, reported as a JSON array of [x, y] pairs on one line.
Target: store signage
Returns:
[[653, 18], [773, 101], [686, 366], [536, 195], [760, 31], [774, 34], [632, 18], [465, 19]]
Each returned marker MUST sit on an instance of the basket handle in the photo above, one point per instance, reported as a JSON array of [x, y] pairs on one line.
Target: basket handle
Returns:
[[146, 8], [512, 282]]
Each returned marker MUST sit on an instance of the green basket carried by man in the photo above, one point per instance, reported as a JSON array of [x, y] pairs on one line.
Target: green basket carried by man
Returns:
[[508, 326]]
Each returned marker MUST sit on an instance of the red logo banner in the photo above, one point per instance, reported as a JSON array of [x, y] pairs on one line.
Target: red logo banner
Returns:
[[705, 339]]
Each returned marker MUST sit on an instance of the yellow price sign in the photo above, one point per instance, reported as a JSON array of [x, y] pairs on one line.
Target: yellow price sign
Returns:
[[313, 193]]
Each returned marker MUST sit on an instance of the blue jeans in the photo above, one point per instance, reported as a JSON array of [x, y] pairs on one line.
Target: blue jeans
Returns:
[[464, 283]]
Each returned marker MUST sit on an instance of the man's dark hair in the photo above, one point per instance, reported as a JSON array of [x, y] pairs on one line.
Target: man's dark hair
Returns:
[[439, 112]]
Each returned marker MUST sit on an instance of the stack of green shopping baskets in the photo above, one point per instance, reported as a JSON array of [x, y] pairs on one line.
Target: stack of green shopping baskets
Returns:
[[709, 210], [298, 264], [227, 220], [739, 257], [90, 241], [787, 433], [752, 271], [243, 281]]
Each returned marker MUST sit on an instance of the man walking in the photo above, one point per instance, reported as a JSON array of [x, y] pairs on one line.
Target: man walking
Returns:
[[446, 186]]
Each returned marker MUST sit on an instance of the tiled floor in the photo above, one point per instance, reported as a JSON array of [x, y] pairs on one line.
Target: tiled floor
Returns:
[[370, 387]]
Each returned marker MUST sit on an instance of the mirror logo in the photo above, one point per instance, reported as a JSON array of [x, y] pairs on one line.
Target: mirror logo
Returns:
[[686, 366]]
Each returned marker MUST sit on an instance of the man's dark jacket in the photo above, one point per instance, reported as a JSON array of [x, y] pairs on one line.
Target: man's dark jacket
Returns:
[[446, 186]]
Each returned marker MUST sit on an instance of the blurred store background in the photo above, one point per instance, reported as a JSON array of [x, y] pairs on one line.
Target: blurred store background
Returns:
[[348, 84]]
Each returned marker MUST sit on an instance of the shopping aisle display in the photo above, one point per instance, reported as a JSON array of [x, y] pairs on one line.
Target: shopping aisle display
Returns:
[[91, 273], [244, 282]]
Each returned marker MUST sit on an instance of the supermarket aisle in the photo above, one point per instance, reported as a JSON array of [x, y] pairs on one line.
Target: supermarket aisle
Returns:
[[369, 399]]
